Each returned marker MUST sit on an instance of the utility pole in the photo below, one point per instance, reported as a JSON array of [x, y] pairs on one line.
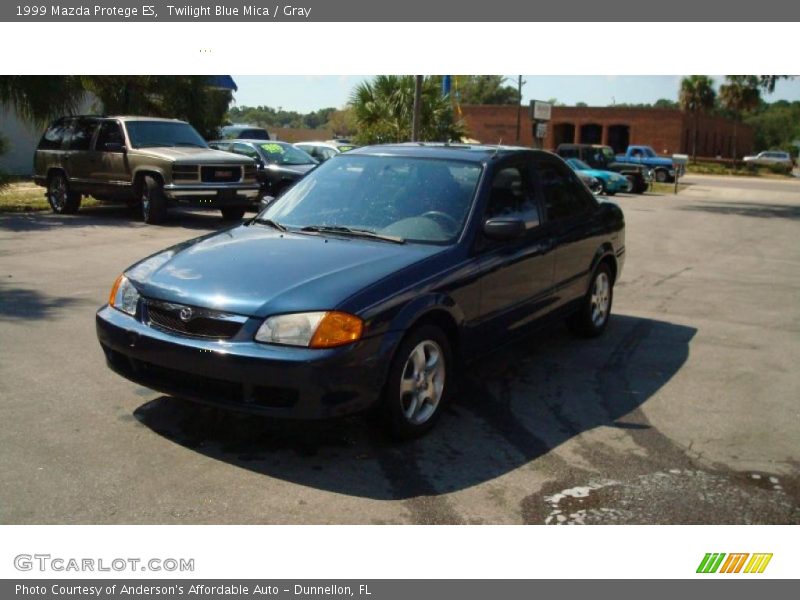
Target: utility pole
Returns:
[[415, 123], [519, 105]]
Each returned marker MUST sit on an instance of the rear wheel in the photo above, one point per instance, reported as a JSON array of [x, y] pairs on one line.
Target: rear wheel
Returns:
[[153, 201], [232, 213], [61, 199], [418, 385], [662, 176], [592, 317]]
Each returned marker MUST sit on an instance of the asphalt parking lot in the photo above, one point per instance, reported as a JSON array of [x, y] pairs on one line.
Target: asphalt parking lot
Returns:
[[686, 411]]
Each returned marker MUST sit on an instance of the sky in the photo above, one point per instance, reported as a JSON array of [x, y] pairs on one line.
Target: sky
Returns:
[[304, 93]]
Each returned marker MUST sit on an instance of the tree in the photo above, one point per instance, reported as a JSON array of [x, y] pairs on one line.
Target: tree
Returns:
[[697, 96], [40, 98], [739, 95], [485, 89], [767, 82], [383, 110], [343, 122]]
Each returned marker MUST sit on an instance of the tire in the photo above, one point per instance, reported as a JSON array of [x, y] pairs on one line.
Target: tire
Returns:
[[662, 176], [153, 201], [591, 318], [639, 185], [232, 213], [61, 199], [416, 390]]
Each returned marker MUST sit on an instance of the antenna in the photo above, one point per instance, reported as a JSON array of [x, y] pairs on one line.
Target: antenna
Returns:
[[497, 148]]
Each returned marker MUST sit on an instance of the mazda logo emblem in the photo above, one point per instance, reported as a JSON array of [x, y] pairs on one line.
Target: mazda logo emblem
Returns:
[[185, 314]]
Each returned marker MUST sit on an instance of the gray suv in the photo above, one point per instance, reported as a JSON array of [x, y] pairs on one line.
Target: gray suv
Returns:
[[147, 162]]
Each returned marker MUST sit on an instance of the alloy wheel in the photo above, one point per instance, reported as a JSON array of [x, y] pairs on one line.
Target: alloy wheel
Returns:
[[422, 382]]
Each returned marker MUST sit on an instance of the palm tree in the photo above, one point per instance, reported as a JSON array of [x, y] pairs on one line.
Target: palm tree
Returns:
[[40, 98], [696, 96], [739, 95], [383, 110]]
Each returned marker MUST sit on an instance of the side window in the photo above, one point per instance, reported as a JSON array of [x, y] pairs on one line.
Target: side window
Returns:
[[512, 197], [564, 196], [245, 150], [327, 153], [54, 136], [110, 133], [82, 132]]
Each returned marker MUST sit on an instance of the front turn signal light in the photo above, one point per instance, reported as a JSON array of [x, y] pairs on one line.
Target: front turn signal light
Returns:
[[337, 329]]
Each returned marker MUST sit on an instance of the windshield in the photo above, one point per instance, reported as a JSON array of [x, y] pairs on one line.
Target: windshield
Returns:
[[285, 154], [152, 134], [577, 163], [419, 200]]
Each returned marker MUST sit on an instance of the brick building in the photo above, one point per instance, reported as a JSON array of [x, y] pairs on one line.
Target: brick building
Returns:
[[668, 131]]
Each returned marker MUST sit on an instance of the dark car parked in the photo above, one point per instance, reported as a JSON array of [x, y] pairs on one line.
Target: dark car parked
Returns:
[[368, 282], [603, 158], [279, 164], [244, 132]]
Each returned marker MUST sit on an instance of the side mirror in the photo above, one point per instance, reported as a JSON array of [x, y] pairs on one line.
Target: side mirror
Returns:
[[502, 229], [114, 147]]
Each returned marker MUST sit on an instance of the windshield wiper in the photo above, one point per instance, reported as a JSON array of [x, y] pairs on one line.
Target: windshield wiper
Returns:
[[365, 233], [190, 144], [271, 223]]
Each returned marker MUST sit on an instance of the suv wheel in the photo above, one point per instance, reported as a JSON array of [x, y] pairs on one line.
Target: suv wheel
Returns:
[[154, 203], [232, 213], [592, 317], [61, 199], [418, 385]]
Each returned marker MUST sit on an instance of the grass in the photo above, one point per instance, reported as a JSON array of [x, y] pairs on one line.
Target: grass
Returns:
[[712, 168], [666, 188], [27, 197]]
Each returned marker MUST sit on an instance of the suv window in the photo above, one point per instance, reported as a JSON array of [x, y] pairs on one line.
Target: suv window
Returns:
[[564, 195], [110, 133], [54, 136], [82, 133], [511, 196]]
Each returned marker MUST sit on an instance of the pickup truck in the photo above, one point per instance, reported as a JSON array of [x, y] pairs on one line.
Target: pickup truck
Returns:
[[663, 168], [602, 157]]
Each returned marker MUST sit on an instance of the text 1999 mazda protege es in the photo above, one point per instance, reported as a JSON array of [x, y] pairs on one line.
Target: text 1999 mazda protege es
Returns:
[[368, 282]]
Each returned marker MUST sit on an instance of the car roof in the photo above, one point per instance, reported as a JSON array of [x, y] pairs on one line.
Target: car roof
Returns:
[[465, 152], [248, 141], [123, 118]]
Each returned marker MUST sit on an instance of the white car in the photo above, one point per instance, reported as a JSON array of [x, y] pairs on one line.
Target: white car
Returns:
[[322, 151], [769, 158]]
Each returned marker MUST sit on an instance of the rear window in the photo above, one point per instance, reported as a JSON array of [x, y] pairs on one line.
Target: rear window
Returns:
[[54, 136]]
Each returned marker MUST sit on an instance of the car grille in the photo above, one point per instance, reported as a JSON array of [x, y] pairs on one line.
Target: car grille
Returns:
[[221, 174], [192, 321], [184, 172]]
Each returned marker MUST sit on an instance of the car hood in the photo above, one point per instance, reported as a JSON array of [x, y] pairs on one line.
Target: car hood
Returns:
[[194, 155], [600, 174], [256, 270]]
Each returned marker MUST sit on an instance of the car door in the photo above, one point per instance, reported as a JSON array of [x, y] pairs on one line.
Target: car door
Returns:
[[516, 275], [570, 211], [77, 157], [111, 165]]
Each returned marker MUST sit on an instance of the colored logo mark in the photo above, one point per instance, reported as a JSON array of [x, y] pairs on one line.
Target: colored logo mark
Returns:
[[734, 563]]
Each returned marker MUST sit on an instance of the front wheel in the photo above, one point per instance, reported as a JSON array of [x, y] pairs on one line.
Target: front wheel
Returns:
[[61, 199], [232, 213], [154, 203], [592, 316], [419, 383]]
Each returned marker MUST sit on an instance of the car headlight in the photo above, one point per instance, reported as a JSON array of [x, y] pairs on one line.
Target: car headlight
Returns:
[[124, 297], [311, 330]]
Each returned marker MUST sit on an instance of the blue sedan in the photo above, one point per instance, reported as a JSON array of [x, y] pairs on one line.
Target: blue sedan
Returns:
[[611, 182], [368, 283]]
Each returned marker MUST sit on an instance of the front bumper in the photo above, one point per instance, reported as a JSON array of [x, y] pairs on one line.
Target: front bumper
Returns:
[[219, 194], [276, 381]]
